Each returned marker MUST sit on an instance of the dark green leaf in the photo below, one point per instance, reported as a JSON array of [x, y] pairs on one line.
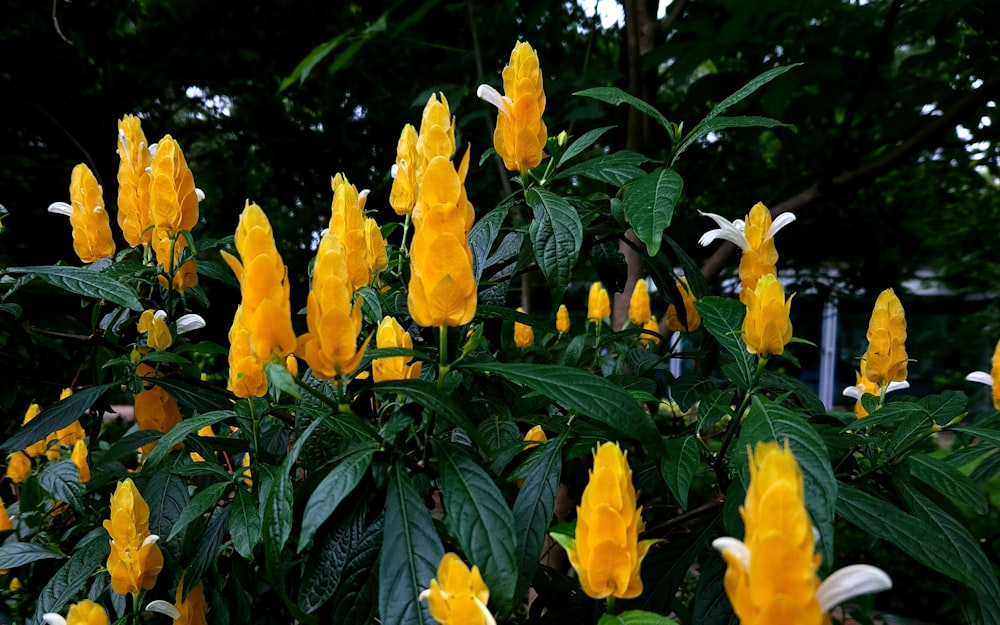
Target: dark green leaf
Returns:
[[198, 398], [87, 283], [165, 357], [556, 234], [714, 405], [429, 396], [635, 617], [678, 466], [411, 552], [71, 579], [616, 168], [212, 541], [667, 564], [181, 431], [745, 91], [61, 480], [482, 235], [945, 406], [15, 554], [306, 65], [948, 481], [197, 506], [167, 497], [689, 389], [614, 95], [721, 123], [649, 205], [990, 438], [534, 506], [356, 597], [54, 418], [723, 318], [711, 605], [327, 560], [244, 523], [337, 485], [127, 445], [585, 141]]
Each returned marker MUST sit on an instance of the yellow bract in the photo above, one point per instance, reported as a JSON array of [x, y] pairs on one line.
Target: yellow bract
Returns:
[[437, 133], [652, 326], [638, 305], [520, 134], [690, 312], [772, 580], [598, 303], [606, 552], [246, 370], [133, 182], [37, 448], [767, 328], [5, 523], [186, 275], [173, 200], [79, 458], [403, 195], [193, 608], [135, 559], [154, 324], [458, 596], [18, 467], [86, 613], [524, 335], [885, 361], [995, 374], [87, 214], [562, 319], [364, 248], [390, 334]]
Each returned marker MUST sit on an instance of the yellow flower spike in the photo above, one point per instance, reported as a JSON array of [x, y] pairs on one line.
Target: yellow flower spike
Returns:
[[79, 458], [864, 386], [652, 326], [403, 195], [442, 288], [347, 224], [135, 559], [886, 360], [767, 327], [992, 378], [5, 524], [458, 595], [84, 613], [437, 134], [524, 335], [334, 322], [690, 312], [520, 133], [605, 550], [135, 162], [391, 334], [18, 467], [173, 198], [190, 610], [598, 303], [246, 370], [155, 409], [87, 215], [154, 325], [562, 319], [534, 436], [771, 574], [376, 255], [755, 237], [638, 306]]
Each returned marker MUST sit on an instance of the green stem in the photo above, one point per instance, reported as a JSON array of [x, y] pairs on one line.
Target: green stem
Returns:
[[610, 605], [736, 420], [255, 443], [443, 370]]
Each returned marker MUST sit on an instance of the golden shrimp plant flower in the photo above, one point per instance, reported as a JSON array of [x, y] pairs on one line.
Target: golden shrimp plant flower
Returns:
[[354, 231], [437, 134], [442, 288], [79, 458], [638, 305], [598, 303], [562, 319], [173, 198], [84, 613], [403, 195], [18, 467], [992, 378], [391, 334], [771, 574], [190, 610], [331, 345], [135, 162], [458, 595], [185, 274], [135, 559], [767, 327], [520, 133], [606, 551], [755, 236], [524, 335], [154, 326], [863, 387], [652, 337], [92, 237], [692, 318], [886, 359], [246, 370]]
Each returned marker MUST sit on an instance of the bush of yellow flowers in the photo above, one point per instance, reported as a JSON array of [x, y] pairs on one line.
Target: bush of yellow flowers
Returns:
[[475, 462]]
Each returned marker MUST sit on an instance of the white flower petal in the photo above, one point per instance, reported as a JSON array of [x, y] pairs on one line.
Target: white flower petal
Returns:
[[160, 314], [853, 392], [491, 95], [152, 150], [727, 230], [152, 538], [486, 612], [53, 619], [394, 170], [849, 582], [61, 208], [190, 322], [976, 376], [897, 386], [783, 220], [199, 194], [163, 607], [733, 546]]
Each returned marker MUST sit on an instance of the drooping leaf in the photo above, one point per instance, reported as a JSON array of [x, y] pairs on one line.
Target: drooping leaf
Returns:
[[244, 523], [723, 318], [616, 168], [586, 140], [72, 577], [649, 205], [211, 542], [61, 480], [327, 561], [54, 418], [167, 497], [87, 283], [678, 466], [533, 508], [614, 95], [556, 234], [333, 489], [15, 554], [948, 481]]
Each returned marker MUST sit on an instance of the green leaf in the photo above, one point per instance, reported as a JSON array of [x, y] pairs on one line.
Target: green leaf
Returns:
[[167, 497], [411, 552], [635, 617], [721, 123], [477, 515], [678, 466], [342, 479], [71, 579], [165, 357], [649, 205], [714, 405], [482, 236], [533, 508], [581, 391], [87, 283], [279, 378], [197, 506], [585, 141], [944, 407], [277, 525], [61, 480], [948, 481], [948, 553], [306, 65], [711, 605], [17, 554], [745, 91], [126, 446], [723, 318], [54, 418], [666, 566], [327, 560], [556, 234], [689, 389], [429, 396], [244, 523], [616, 168], [356, 597], [768, 421], [211, 543], [181, 431], [615, 96], [990, 438]]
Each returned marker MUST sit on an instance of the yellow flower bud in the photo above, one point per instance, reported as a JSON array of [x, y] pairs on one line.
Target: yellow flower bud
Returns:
[[403, 195], [18, 467], [154, 325], [79, 458], [186, 275], [458, 596], [638, 306], [767, 327], [390, 334], [37, 448], [437, 133], [135, 559], [84, 613], [598, 303], [524, 335], [652, 326], [347, 224], [885, 361], [605, 551], [87, 215], [133, 182], [246, 370], [690, 312], [562, 319], [292, 364]]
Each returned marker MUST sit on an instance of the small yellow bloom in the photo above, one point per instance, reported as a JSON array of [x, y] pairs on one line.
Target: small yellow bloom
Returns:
[[84, 613], [79, 458], [390, 334], [458, 596], [15, 585], [524, 335], [992, 378], [520, 134], [606, 551], [133, 182], [292, 364], [173, 198], [246, 370], [18, 467], [190, 610], [347, 224], [534, 436], [885, 361], [771, 574], [638, 306], [207, 432], [598, 303], [135, 559], [767, 328], [154, 325], [5, 524], [562, 319], [403, 195], [690, 312], [91, 225], [437, 133], [652, 326]]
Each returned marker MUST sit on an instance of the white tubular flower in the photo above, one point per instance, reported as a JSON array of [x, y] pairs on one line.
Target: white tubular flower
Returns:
[[61, 208], [735, 231], [53, 619], [186, 323], [164, 607], [849, 582], [857, 391], [488, 94]]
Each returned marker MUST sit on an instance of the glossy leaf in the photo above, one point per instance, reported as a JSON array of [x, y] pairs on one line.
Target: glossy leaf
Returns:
[[86, 282], [649, 205], [356, 598], [331, 491], [948, 481], [206, 498], [678, 466], [586, 140], [556, 234], [614, 95], [616, 168], [431, 397], [534, 506], [54, 418], [327, 560], [15, 554], [72, 577], [723, 318], [244, 523]]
